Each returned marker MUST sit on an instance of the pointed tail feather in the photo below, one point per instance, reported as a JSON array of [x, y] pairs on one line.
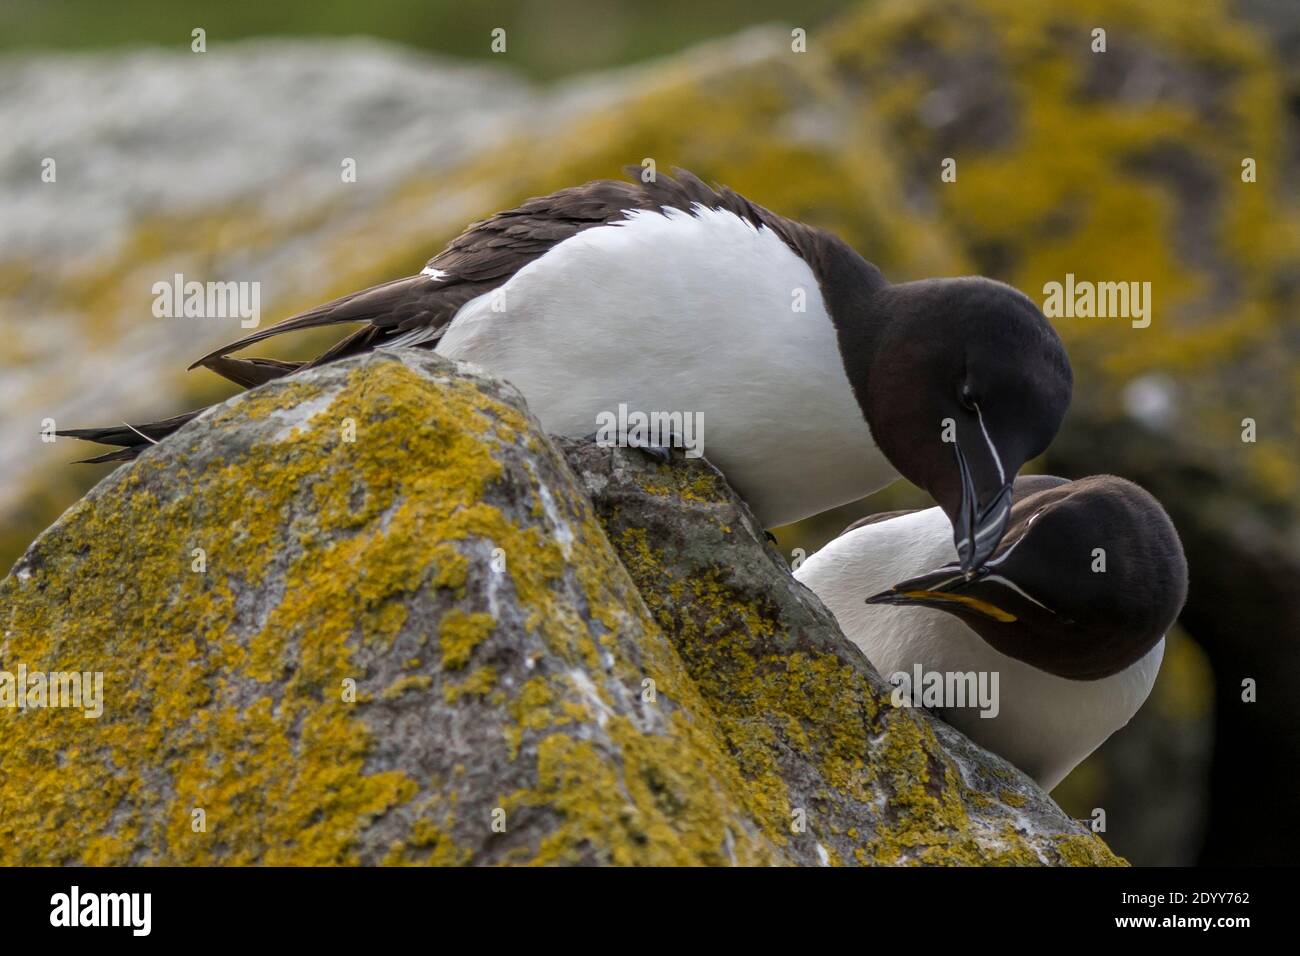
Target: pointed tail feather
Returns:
[[133, 439], [250, 373], [122, 454]]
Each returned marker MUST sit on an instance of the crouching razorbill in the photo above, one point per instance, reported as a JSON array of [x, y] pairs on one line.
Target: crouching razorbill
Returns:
[[1070, 612], [818, 381]]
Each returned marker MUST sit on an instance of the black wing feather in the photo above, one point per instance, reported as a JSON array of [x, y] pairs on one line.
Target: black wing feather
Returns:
[[492, 250]]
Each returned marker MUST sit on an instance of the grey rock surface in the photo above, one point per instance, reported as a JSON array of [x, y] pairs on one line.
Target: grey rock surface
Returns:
[[371, 614]]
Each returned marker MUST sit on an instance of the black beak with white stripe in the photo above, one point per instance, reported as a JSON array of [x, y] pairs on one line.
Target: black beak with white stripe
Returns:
[[949, 588], [978, 530]]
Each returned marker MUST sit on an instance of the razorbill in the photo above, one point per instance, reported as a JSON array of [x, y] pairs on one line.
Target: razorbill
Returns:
[[1070, 612], [818, 381]]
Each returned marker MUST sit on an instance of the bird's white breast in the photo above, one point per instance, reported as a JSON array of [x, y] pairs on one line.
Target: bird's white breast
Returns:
[[1046, 725], [686, 312]]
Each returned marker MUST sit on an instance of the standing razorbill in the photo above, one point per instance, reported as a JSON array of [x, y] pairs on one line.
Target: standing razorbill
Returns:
[[817, 381], [1070, 613]]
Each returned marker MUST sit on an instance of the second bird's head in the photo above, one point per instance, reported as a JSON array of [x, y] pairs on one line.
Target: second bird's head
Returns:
[[1091, 577], [967, 381]]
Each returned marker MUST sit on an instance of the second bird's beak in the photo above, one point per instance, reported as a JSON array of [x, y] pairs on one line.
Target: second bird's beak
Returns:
[[945, 589], [977, 531]]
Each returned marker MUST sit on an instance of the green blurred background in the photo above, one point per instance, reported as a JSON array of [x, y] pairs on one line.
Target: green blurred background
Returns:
[[552, 39], [1115, 166]]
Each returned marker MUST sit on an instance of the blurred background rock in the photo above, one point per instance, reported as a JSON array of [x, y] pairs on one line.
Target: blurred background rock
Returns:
[[1115, 166]]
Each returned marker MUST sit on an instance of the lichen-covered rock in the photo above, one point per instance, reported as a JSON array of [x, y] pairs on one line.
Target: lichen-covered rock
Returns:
[[803, 714], [370, 614]]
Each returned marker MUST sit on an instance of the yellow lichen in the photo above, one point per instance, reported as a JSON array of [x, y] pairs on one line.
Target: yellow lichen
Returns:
[[459, 633], [478, 683]]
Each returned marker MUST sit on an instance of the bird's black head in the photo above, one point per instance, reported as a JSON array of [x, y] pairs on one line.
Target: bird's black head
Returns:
[[965, 382], [1090, 576]]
